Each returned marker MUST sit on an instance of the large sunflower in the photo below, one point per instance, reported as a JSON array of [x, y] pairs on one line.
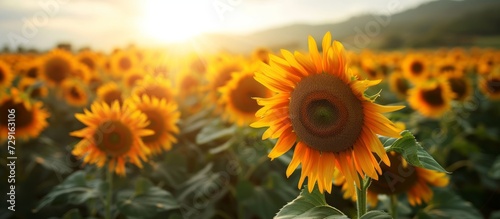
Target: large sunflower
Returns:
[[162, 116], [238, 97], [57, 66], [113, 136], [318, 104], [30, 118], [5, 74], [431, 99]]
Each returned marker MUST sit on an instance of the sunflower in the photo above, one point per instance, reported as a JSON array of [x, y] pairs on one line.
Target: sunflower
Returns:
[[81, 72], [32, 87], [158, 87], [31, 69], [57, 66], [490, 85], [415, 68], [414, 181], [122, 62], [318, 104], [74, 93], [188, 84], [162, 116], [431, 99], [88, 59], [447, 67], [109, 93], [460, 85], [238, 97], [113, 136], [132, 78], [5, 74], [219, 73], [398, 84], [397, 179], [30, 118]]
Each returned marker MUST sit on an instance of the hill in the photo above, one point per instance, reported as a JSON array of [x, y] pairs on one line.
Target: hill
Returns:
[[437, 23]]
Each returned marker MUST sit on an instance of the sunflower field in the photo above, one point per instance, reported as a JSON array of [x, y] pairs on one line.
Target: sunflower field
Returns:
[[322, 133]]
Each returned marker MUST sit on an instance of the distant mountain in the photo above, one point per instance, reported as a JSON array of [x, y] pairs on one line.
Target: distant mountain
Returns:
[[437, 23]]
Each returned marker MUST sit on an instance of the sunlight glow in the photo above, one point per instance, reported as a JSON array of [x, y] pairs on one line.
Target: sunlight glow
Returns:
[[175, 21]]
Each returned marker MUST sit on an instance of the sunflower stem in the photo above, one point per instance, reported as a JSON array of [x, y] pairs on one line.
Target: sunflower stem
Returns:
[[394, 206], [361, 197], [109, 195]]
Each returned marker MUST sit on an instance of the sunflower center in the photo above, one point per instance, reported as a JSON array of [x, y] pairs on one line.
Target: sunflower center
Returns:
[[156, 90], [325, 113], [57, 69], [416, 68], [111, 96], [156, 124], [434, 96], [2, 76], [397, 178], [402, 85], [493, 85], [132, 80], [74, 92], [32, 72], [24, 117], [242, 96], [114, 138], [447, 68], [459, 87], [125, 63], [88, 62]]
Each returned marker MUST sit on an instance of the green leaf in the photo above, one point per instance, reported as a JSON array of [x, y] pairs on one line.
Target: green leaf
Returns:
[[72, 214], [266, 199], [213, 131], [411, 150], [446, 204], [145, 201], [75, 189], [309, 205], [376, 215], [495, 169]]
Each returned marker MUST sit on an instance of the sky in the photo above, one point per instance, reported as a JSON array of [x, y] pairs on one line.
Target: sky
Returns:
[[106, 24]]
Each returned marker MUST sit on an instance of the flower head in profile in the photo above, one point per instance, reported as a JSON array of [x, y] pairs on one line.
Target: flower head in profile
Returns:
[[319, 107]]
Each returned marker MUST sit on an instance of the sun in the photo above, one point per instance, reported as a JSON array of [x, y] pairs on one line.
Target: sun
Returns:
[[175, 21]]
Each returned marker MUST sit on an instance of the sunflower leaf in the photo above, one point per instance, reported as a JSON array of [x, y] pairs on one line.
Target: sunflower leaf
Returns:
[[376, 215], [309, 205], [495, 169], [76, 189], [146, 200], [446, 204], [411, 150]]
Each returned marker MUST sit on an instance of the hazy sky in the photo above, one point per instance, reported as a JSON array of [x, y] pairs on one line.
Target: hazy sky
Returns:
[[107, 23]]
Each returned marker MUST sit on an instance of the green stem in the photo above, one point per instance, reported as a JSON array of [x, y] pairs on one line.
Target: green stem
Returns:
[[109, 196], [361, 197], [394, 206]]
